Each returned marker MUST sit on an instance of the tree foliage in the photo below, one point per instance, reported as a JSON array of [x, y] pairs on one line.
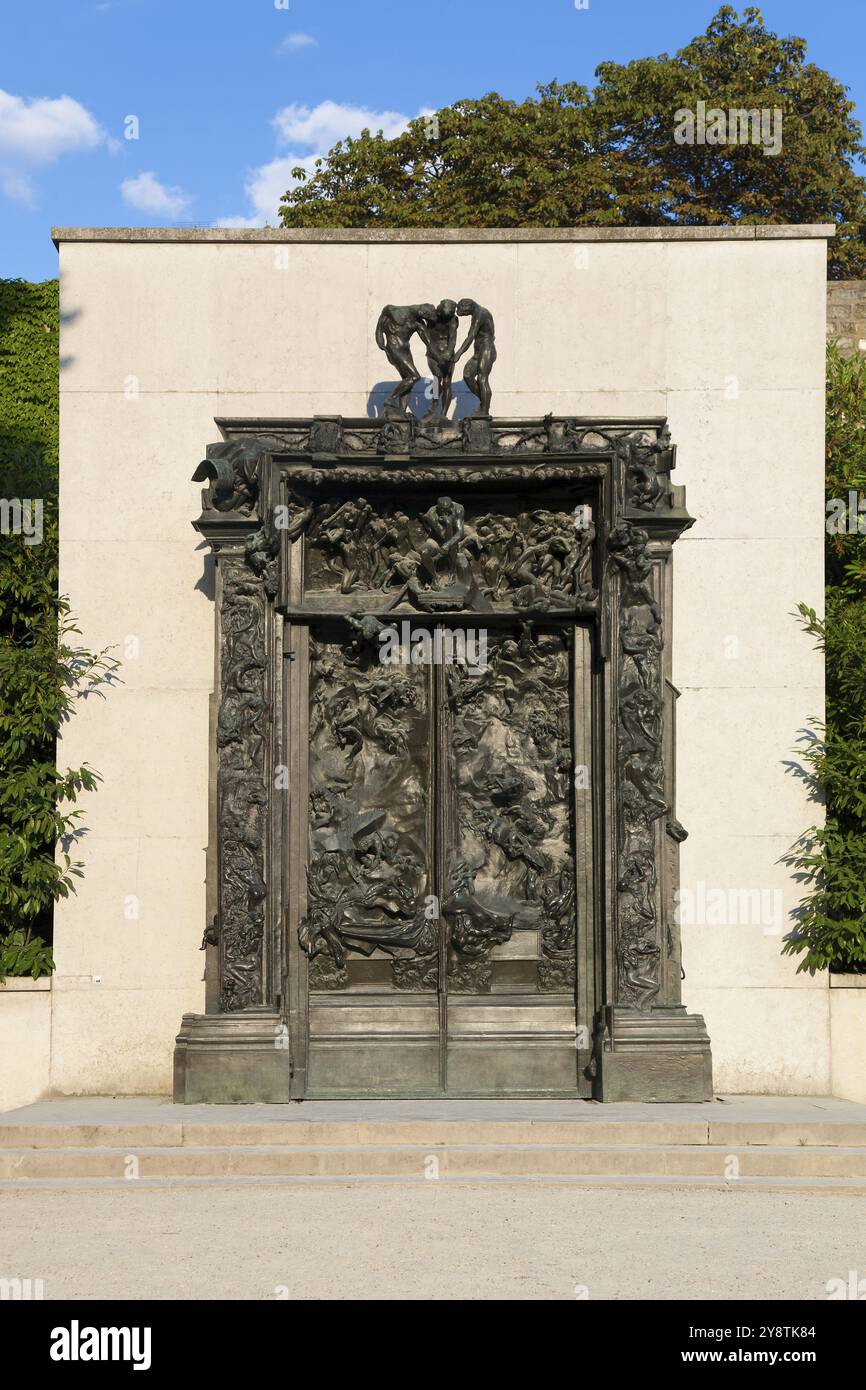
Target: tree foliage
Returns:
[[42, 670], [608, 158], [831, 859]]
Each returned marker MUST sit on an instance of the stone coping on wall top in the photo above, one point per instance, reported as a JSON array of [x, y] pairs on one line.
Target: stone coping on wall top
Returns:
[[23, 984], [774, 232], [848, 981]]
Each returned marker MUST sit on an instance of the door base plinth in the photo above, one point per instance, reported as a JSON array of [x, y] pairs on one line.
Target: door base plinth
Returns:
[[232, 1059], [660, 1055]]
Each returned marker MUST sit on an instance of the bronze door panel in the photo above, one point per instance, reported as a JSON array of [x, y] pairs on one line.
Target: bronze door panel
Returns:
[[369, 872], [441, 869], [509, 793], [422, 882]]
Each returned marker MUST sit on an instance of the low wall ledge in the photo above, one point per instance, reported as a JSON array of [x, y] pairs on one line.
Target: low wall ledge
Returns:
[[767, 232]]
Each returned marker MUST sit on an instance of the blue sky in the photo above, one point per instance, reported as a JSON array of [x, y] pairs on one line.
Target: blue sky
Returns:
[[228, 94]]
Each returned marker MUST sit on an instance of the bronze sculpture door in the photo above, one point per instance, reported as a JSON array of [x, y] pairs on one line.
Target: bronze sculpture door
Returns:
[[452, 875], [448, 792]]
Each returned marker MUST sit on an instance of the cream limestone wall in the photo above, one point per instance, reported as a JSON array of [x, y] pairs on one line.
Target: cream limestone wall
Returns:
[[25, 1041], [720, 330], [848, 1036]]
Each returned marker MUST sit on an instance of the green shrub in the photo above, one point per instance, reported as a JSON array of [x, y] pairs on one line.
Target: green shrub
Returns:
[[23, 955], [831, 859], [42, 671]]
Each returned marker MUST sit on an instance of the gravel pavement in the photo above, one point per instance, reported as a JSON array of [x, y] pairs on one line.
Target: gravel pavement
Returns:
[[480, 1241]]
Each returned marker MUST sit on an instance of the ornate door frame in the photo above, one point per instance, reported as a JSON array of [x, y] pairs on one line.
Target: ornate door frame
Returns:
[[638, 1042]]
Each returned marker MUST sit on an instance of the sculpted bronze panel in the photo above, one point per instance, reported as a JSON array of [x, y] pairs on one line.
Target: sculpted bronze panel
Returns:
[[450, 556], [473, 734], [242, 795], [369, 871], [511, 775], [642, 795]]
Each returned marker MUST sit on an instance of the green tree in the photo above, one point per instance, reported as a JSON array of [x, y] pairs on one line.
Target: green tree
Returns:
[[608, 158], [42, 670], [831, 858]]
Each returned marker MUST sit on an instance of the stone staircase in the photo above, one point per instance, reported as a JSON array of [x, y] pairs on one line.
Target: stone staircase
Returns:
[[751, 1143]]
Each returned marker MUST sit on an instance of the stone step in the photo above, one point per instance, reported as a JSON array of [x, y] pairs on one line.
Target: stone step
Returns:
[[579, 1133], [465, 1162], [855, 1187]]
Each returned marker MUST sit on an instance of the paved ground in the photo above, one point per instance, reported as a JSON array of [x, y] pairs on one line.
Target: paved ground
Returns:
[[91, 1110], [431, 1240], [486, 1241]]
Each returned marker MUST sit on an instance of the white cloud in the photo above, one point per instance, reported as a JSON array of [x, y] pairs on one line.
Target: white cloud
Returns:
[[15, 184], [265, 187], [312, 131], [40, 130], [37, 131], [267, 184], [292, 42], [108, 6], [320, 127], [237, 222], [147, 194]]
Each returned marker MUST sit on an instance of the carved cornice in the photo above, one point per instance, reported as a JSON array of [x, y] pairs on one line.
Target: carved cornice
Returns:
[[479, 451], [226, 530], [469, 474], [326, 437]]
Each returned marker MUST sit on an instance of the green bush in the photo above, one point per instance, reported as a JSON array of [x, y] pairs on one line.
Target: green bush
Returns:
[[42, 671], [24, 955], [831, 859]]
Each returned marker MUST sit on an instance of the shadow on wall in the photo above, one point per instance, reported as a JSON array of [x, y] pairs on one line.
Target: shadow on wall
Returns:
[[421, 399], [206, 583], [70, 316]]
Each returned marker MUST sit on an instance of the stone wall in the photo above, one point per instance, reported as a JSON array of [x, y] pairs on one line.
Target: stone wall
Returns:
[[846, 314], [25, 1041], [848, 1036], [720, 330]]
